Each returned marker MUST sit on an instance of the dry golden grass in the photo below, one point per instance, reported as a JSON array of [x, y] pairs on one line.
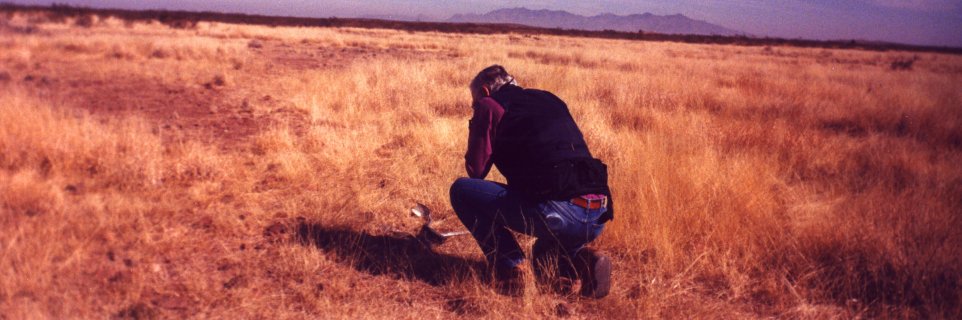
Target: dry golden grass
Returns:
[[241, 171]]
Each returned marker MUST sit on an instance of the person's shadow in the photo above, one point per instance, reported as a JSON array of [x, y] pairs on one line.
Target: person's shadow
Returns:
[[401, 256]]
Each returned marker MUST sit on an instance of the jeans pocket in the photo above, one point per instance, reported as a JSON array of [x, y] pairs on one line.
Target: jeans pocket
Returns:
[[596, 214], [579, 225], [554, 217], [560, 215]]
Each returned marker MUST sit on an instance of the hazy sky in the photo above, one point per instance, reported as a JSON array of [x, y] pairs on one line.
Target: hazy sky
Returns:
[[930, 22]]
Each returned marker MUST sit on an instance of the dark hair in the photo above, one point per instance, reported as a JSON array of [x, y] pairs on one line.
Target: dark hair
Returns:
[[492, 78]]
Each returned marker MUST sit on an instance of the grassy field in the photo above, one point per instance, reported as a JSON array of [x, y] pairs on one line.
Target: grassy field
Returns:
[[233, 171]]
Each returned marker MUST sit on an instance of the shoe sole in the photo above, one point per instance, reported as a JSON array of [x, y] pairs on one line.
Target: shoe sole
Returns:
[[602, 278]]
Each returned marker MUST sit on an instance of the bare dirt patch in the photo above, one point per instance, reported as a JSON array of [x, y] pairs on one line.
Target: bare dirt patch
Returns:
[[218, 110]]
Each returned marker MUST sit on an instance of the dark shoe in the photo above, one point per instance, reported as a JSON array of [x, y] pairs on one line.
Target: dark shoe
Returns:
[[509, 281], [553, 271], [594, 270]]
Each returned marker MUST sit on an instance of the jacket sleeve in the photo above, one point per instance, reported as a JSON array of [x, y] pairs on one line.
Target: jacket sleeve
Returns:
[[481, 132]]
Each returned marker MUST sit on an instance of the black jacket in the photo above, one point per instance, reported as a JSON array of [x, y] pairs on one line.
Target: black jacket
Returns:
[[541, 151]]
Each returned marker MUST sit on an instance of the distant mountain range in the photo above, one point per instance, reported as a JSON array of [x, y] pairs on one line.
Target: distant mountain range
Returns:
[[401, 17], [670, 24]]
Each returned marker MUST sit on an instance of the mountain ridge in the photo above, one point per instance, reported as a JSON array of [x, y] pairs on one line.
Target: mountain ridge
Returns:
[[645, 22]]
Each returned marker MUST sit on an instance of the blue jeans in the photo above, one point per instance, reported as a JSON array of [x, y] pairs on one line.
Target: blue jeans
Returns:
[[489, 210]]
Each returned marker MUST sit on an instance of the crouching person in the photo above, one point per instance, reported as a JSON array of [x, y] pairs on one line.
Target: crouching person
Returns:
[[556, 191]]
